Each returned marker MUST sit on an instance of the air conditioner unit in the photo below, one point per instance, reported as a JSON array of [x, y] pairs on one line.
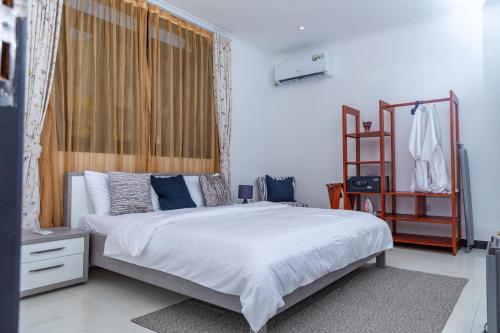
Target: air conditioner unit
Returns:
[[306, 67]]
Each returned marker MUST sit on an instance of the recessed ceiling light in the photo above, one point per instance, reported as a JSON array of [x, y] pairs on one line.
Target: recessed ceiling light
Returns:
[[301, 27]]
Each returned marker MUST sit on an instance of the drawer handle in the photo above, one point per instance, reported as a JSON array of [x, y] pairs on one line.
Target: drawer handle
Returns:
[[46, 268], [49, 250]]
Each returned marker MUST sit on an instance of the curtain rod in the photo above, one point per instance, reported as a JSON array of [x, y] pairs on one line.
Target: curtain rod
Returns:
[[163, 4]]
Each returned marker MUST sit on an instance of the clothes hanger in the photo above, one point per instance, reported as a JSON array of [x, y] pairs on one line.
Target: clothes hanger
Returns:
[[414, 109]]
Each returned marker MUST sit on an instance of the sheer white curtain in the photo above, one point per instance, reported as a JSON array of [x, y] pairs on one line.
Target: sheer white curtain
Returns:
[[223, 99], [43, 35]]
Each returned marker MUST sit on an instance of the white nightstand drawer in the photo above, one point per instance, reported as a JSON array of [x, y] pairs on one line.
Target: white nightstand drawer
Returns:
[[54, 249], [47, 272]]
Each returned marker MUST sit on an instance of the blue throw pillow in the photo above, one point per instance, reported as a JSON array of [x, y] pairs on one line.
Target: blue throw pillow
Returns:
[[280, 190], [173, 192]]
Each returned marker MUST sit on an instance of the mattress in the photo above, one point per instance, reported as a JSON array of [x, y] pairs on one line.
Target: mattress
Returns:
[[259, 252]]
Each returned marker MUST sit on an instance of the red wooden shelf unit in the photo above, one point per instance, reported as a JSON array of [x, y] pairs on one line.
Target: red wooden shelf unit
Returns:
[[387, 167]]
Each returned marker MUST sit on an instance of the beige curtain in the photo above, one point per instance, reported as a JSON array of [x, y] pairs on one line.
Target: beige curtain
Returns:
[[182, 101], [124, 101], [43, 35], [223, 100]]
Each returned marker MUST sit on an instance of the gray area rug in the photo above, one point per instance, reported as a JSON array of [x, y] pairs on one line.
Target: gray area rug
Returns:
[[369, 299]]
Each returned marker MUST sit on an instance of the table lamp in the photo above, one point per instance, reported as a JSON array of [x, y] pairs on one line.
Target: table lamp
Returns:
[[245, 192]]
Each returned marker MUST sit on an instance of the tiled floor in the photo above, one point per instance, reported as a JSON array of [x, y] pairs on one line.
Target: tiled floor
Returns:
[[108, 301]]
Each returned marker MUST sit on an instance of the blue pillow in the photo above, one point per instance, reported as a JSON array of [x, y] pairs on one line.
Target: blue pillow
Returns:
[[280, 190], [173, 192]]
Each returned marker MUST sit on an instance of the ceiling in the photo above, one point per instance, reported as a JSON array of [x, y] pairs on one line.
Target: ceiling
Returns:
[[273, 25]]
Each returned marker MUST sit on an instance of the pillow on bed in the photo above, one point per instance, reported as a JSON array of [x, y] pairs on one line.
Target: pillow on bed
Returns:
[[261, 182], [194, 188], [130, 193], [215, 190], [173, 192], [155, 200], [98, 187], [280, 190]]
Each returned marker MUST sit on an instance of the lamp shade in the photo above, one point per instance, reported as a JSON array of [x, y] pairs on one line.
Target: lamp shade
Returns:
[[245, 192]]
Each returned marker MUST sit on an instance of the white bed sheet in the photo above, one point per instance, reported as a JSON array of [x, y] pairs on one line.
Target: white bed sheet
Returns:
[[259, 252], [102, 224]]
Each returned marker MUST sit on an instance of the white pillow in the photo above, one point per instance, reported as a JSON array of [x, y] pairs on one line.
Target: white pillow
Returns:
[[194, 188], [98, 186], [155, 199]]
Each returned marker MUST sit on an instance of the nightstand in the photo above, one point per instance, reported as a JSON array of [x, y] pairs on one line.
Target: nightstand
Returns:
[[53, 261]]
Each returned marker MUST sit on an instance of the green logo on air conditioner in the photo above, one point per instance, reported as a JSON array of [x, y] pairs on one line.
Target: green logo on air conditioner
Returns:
[[316, 57]]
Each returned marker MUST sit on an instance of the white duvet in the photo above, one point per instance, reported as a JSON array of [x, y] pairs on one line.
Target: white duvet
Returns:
[[259, 252]]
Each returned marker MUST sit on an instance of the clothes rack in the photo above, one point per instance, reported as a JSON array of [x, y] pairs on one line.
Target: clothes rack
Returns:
[[352, 200]]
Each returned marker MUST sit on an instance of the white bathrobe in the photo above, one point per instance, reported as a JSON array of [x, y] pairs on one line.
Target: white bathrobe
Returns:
[[430, 173], [420, 179]]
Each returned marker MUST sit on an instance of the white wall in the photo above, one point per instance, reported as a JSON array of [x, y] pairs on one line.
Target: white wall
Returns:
[[252, 107], [459, 52]]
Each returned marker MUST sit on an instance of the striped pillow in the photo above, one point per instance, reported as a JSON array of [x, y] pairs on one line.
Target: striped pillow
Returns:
[[130, 193], [215, 190]]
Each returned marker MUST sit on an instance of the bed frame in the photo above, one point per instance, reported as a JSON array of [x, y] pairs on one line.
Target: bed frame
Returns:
[[77, 204]]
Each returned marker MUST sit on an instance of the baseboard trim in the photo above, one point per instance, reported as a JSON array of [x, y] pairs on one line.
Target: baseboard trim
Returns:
[[478, 244]]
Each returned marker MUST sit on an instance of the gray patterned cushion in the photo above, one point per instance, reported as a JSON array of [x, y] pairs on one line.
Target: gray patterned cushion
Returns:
[[295, 204], [261, 184], [215, 190], [130, 193]]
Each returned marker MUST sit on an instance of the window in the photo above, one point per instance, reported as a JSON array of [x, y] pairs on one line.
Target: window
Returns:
[[132, 91], [132, 79]]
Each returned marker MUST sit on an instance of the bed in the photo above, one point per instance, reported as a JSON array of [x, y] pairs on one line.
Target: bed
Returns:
[[257, 259]]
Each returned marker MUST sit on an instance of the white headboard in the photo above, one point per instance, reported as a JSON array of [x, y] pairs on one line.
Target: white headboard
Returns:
[[77, 201]]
